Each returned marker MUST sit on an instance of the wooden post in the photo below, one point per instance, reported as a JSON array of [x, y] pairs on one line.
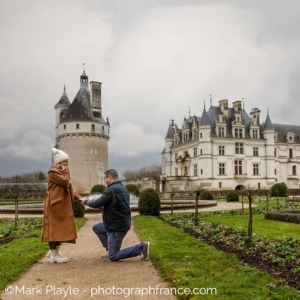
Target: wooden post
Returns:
[[16, 211], [243, 203], [172, 194], [196, 208]]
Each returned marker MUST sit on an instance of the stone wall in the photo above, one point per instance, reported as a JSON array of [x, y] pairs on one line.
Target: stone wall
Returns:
[[23, 190]]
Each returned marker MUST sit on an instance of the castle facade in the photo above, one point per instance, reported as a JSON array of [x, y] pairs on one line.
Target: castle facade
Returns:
[[226, 148]]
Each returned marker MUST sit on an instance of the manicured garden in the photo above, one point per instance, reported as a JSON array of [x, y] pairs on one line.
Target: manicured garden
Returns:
[[264, 266]]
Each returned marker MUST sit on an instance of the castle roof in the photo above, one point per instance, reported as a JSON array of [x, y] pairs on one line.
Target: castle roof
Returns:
[[63, 99], [204, 119], [80, 109], [282, 130], [170, 134], [268, 124]]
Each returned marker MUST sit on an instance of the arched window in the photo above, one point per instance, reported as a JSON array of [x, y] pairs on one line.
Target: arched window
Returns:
[[294, 170]]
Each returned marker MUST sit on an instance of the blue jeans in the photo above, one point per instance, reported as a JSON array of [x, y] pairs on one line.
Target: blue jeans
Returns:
[[112, 242]]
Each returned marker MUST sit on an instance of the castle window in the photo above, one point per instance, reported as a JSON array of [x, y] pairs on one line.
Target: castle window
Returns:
[[93, 126], [255, 169], [176, 156], [195, 170], [221, 132], [65, 126], [200, 135], [239, 148], [238, 132], [176, 171], [201, 171], [275, 152], [200, 151], [258, 185], [275, 171], [291, 153], [221, 169], [102, 129], [220, 185], [254, 134], [221, 150], [195, 152], [238, 167], [294, 170], [255, 151], [77, 126]]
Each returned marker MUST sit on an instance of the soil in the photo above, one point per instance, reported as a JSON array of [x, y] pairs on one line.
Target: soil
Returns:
[[284, 274]]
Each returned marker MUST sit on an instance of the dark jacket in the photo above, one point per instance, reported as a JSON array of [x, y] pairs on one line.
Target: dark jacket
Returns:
[[115, 203]]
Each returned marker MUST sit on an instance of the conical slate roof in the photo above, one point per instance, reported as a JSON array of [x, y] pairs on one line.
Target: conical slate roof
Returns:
[[204, 119], [63, 100], [80, 109], [169, 133], [268, 124]]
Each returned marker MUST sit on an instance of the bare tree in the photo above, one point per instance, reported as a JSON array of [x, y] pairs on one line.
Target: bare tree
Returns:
[[250, 188], [153, 171]]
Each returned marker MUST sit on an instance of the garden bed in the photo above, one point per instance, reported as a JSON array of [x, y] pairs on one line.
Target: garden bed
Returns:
[[279, 258]]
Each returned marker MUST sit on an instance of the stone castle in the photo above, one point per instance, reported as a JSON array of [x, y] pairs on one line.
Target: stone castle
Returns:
[[83, 133], [226, 148]]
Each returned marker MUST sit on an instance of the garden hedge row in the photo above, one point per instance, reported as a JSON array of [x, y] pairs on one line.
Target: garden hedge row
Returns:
[[292, 216]]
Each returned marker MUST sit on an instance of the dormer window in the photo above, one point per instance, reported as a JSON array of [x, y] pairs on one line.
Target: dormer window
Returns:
[[221, 132], [255, 134], [290, 137], [238, 132]]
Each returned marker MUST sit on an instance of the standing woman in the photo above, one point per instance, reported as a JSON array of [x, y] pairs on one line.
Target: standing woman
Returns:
[[59, 223]]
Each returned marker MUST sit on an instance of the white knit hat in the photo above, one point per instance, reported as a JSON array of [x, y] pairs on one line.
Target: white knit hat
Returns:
[[59, 155]]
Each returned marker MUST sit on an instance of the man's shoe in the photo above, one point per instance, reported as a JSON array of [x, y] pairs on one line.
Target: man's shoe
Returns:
[[145, 250], [104, 256]]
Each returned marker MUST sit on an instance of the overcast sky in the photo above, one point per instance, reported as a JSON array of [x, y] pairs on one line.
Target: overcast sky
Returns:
[[155, 59]]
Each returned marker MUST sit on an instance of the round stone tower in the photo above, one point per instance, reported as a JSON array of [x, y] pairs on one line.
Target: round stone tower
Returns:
[[83, 134]]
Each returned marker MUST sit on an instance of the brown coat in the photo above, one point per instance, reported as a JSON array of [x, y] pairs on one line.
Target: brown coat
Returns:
[[59, 223]]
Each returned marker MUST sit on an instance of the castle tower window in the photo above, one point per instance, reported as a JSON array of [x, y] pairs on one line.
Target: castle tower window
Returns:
[[200, 151], [77, 126], [93, 126], [65, 126], [200, 135], [220, 185], [294, 170], [255, 151], [201, 171], [275, 152], [255, 169], [291, 153], [176, 171], [195, 152], [195, 170], [239, 148], [258, 185], [275, 171], [221, 169], [238, 167], [102, 129], [221, 150]]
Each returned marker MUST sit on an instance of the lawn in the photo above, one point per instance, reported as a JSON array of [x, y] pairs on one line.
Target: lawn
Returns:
[[186, 262]]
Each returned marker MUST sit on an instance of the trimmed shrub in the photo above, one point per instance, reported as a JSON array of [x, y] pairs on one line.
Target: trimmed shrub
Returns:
[[149, 203], [292, 216], [279, 189], [206, 195], [98, 189], [79, 209], [132, 189], [232, 196]]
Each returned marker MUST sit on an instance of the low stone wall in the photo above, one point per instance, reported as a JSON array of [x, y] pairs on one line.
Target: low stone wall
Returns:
[[23, 190]]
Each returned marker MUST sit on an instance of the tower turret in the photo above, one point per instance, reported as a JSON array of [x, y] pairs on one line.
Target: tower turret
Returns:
[[61, 107]]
